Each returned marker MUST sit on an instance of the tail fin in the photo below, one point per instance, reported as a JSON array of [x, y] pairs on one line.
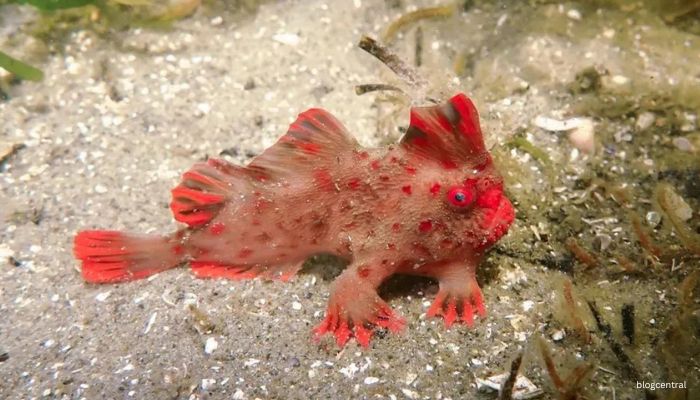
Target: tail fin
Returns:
[[112, 256]]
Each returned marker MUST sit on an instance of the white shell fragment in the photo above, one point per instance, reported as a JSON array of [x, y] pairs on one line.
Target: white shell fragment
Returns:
[[581, 130], [290, 39], [522, 390], [210, 345]]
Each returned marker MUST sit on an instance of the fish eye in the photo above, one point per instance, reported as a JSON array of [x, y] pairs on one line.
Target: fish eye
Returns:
[[461, 197]]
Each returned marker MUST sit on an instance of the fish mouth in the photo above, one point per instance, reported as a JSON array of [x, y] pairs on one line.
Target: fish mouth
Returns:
[[496, 221]]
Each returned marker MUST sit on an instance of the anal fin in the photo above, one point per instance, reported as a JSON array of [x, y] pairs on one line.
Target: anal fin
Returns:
[[210, 269]]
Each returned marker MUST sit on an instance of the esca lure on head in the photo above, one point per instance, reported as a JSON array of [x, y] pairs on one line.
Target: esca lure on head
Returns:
[[430, 205]]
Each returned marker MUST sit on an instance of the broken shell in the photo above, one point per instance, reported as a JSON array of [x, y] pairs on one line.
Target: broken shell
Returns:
[[581, 135], [653, 219], [602, 241]]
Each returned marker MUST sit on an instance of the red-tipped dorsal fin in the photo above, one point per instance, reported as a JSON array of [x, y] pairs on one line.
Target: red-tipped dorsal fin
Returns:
[[314, 140], [205, 188], [449, 133]]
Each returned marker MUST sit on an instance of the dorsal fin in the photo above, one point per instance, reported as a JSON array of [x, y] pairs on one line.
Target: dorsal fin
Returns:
[[313, 140], [449, 133], [205, 188]]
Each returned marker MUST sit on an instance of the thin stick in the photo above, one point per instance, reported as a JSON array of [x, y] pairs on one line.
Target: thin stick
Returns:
[[390, 59], [507, 388], [373, 87]]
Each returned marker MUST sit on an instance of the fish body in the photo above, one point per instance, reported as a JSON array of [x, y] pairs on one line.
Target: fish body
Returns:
[[430, 205]]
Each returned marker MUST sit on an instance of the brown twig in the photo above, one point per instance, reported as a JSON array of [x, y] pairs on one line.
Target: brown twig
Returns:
[[643, 237], [390, 59], [374, 87], [579, 325], [581, 254], [507, 388]]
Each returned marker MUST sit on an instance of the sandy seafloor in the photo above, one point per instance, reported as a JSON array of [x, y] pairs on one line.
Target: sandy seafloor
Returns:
[[118, 119]]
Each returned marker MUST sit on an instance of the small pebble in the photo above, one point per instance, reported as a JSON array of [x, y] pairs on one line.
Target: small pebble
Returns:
[[101, 189], [558, 335], [296, 305], [210, 345], [103, 296], [574, 14], [370, 380], [208, 383], [683, 144]]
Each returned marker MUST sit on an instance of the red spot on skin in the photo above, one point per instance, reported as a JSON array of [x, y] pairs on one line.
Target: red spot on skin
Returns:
[[323, 179], [362, 155], [217, 228], [391, 246], [245, 253], [374, 165], [354, 183], [350, 225], [363, 271], [435, 189], [394, 160], [410, 170], [255, 222], [425, 226], [178, 250], [396, 227], [383, 178], [407, 189], [446, 243]]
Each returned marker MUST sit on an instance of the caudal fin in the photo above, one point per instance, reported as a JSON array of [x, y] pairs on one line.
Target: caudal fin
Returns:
[[112, 256]]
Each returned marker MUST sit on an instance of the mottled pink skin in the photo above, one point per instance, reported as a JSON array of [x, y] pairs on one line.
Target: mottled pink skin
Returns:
[[386, 211]]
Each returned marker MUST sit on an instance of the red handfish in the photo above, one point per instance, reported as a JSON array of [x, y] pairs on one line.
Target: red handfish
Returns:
[[430, 205]]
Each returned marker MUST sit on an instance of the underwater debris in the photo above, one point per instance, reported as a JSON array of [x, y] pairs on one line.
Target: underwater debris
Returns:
[[521, 143], [581, 254], [680, 348], [643, 237], [627, 314], [677, 211], [507, 387], [628, 368], [522, 389], [581, 130], [418, 54], [201, 321], [588, 80], [19, 69], [391, 60], [374, 87], [8, 149], [568, 388], [626, 264], [573, 313], [412, 17]]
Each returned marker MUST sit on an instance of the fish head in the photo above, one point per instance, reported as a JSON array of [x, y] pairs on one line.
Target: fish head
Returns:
[[465, 205]]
